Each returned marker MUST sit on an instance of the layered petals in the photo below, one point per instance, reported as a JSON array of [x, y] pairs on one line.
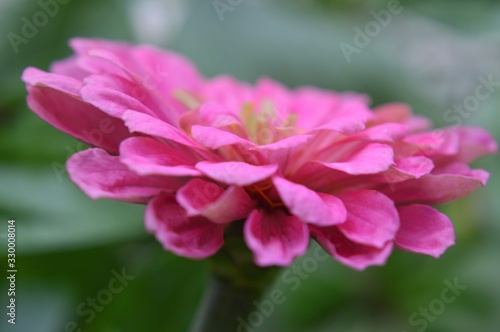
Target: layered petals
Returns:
[[55, 98], [156, 74], [289, 164]]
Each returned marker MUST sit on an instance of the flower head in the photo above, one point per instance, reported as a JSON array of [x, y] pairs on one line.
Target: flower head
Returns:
[[290, 165]]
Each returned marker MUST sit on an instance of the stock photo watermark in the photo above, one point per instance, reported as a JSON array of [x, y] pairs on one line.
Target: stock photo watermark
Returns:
[[11, 271], [30, 26], [292, 278], [223, 6], [420, 319], [484, 89], [89, 308], [363, 37]]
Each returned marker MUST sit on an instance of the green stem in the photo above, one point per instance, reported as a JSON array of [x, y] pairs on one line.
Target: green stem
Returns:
[[224, 307], [235, 284]]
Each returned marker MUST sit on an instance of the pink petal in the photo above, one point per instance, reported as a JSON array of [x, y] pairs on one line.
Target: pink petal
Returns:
[[392, 112], [418, 123], [203, 198], [400, 113], [212, 115], [149, 64], [459, 168], [436, 143], [382, 133], [69, 67], [475, 143], [268, 89], [449, 184], [275, 239], [214, 138], [216, 90], [38, 78], [100, 175], [370, 159], [372, 218], [355, 255], [311, 207], [195, 237], [148, 156], [235, 172], [283, 151], [424, 230], [83, 46], [407, 168], [115, 95], [160, 73], [142, 123], [344, 113], [55, 99]]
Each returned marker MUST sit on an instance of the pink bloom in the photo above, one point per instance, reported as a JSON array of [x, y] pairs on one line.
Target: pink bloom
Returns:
[[290, 165]]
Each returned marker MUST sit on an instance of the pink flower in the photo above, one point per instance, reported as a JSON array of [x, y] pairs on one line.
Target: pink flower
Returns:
[[290, 165]]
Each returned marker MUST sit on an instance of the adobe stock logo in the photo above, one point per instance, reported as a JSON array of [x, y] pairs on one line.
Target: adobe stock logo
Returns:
[[363, 38], [221, 7], [31, 26], [89, 308], [292, 278], [420, 319]]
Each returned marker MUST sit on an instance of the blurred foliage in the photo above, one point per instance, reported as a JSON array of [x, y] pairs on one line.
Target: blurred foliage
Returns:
[[430, 56]]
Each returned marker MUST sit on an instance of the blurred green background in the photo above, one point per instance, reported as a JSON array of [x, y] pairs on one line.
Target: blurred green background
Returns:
[[430, 55]]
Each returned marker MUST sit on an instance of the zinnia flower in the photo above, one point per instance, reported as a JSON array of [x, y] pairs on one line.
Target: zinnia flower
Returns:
[[290, 165]]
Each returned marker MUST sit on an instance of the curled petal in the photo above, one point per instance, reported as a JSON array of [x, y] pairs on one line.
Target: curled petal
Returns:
[[275, 239], [407, 168], [202, 198]]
